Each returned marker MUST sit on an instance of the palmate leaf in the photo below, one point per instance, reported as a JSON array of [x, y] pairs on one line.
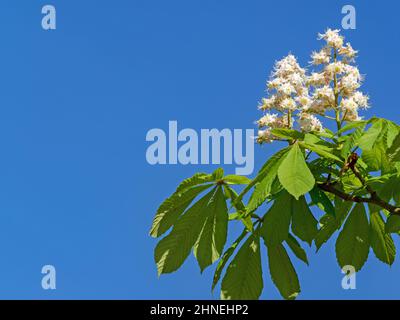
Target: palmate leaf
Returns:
[[172, 250], [275, 227], [264, 171], [330, 224], [170, 210], [294, 174], [392, 224], [351, 141], [352, 125], [320, 199], [243, 278], [393, 152], [240, 207], [298, 251], [374, 134], [225, 258], [265, 187], [321, 150], [376, 158], [282, 272], [382, 243], [289, 134], [379, 144], [198, 178], [210, 243], [304, 225], [235, 179], [352, 245], [393, 131]]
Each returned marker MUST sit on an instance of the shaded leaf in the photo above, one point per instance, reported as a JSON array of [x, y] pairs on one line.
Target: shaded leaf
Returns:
[[275, 227], [243, 278], [320, 199], [225, 258], [210, 243], [392, 224], [304, 225], [381, 242], [352, 245], [282, 272], [296, 248]]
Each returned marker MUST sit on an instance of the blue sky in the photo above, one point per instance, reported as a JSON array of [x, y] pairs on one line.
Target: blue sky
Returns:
[[76, 104]]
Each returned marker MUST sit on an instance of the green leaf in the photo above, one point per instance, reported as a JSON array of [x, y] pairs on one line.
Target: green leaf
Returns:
[[376, 158], [287, 133], [294, 174], [372, 135], [304, 225], [392, 224], [352, 245], [172, 250], [243, 278], [352, 125], [170, 210], [275, 227], [394, 151], [316, 140], [235, 179], [265, 187], [342, 209], [218, 174], [294, 245], [329, 223], [210, 243], [198, 178], [320, 199], [393, 131], [351, 141], [225, 258], [264, 171], [248, 223], [282, 272], [381, 242], [325, 134], [322, 151], [232, 194]]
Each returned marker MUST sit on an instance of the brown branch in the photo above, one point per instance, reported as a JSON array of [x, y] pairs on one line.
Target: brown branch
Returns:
[[374, 198]]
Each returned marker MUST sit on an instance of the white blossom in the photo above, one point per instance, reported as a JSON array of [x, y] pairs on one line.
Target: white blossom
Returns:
[[332, 38], [317, 79], [267, 120], [361, 99], [325, 93], [348, 51], [309, 123], [335, 68], [321, 57], [300, 97], [265, 136]]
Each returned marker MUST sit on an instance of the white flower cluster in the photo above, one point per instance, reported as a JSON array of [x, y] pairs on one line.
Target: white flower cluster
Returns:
[[300, 98]]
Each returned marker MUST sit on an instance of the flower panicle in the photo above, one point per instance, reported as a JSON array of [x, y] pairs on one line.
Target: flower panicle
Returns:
[[298, 98]]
